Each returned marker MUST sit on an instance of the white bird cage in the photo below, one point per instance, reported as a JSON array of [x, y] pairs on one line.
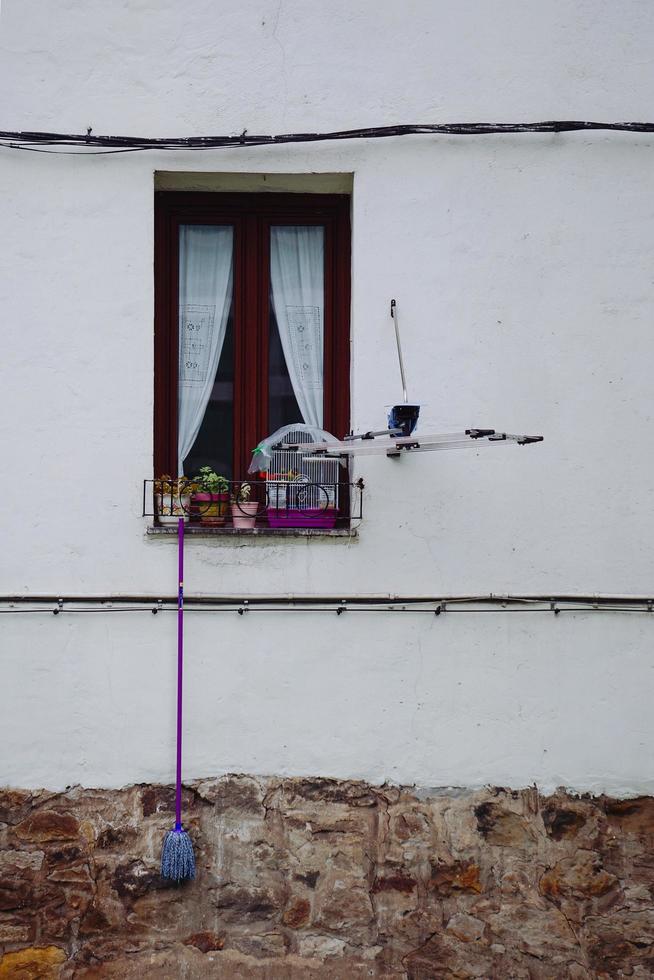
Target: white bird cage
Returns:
[[302, 482]]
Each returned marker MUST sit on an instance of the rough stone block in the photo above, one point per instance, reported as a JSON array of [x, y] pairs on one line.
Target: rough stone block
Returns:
[[316, 878]]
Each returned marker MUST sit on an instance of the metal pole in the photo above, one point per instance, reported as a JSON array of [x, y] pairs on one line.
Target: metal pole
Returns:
[[399, 348]]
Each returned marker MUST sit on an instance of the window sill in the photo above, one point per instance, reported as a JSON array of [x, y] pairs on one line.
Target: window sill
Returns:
[[255, 532]]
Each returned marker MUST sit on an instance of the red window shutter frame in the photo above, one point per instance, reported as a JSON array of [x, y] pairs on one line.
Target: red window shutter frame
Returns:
[[251, 216]]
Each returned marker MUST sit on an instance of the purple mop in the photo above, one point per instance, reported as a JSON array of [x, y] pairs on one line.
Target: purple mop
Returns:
[[177, 858]]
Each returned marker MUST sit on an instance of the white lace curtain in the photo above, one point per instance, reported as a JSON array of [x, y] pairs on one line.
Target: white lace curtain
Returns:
[[297, 264], [205, 298]]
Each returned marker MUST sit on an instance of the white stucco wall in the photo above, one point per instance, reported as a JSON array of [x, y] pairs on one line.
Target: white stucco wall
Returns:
[[522, 267]]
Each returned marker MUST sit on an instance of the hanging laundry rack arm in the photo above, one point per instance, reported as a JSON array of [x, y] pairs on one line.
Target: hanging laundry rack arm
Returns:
[[385, 442]]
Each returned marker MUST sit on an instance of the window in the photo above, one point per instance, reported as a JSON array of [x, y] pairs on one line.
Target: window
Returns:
[[252, 295]]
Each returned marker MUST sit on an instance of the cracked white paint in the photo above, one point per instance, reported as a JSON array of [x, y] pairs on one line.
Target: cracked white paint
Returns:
[[522, 268]]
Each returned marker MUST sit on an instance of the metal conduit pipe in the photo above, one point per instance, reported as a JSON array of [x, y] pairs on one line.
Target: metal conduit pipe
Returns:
[[290, 600]]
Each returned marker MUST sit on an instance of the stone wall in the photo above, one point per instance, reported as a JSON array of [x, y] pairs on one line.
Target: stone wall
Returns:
[[314, 878]]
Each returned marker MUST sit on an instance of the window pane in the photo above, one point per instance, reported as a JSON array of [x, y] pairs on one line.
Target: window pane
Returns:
[[297, 278], [206, 359]]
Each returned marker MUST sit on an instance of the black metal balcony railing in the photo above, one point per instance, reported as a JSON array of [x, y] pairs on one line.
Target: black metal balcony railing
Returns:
[[274, 504]]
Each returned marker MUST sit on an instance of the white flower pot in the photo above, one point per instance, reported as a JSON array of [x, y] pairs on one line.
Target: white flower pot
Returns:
[[170, 507]]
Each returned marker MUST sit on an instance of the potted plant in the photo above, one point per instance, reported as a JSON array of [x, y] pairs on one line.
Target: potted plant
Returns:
[[211, 497], [172, 497], [244, 510]]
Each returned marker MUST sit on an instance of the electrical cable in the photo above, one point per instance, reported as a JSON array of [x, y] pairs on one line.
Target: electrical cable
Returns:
[[84, 143], [409, 605], [323, 609], [285, 599]]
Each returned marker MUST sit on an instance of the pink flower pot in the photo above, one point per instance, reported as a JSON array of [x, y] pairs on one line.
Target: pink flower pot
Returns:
[[244, 514], [210, 508]]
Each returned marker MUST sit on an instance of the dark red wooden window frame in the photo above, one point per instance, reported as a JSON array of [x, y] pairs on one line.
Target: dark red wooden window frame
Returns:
[[251, 216]]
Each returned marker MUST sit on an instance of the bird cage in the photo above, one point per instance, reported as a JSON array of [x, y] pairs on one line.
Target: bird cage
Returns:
[[302, 490]]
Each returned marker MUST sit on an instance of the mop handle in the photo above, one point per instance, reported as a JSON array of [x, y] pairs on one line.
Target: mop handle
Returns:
[[180, 670]]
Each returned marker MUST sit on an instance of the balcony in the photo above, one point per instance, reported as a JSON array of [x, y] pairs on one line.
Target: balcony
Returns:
[[283, 505]]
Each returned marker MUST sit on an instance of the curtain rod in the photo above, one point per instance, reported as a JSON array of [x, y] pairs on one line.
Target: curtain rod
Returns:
[[47, 142]]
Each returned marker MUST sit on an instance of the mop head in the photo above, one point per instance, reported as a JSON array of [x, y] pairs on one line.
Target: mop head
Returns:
[[177, 858]]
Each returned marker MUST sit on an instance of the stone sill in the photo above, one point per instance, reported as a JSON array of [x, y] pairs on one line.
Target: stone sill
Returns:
[[159, 530]]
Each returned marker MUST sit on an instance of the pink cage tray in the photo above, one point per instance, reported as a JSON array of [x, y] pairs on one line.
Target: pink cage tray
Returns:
[[311, 517]]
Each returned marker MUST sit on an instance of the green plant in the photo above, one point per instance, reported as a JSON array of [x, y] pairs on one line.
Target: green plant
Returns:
[[242, 494], [210, 482]]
